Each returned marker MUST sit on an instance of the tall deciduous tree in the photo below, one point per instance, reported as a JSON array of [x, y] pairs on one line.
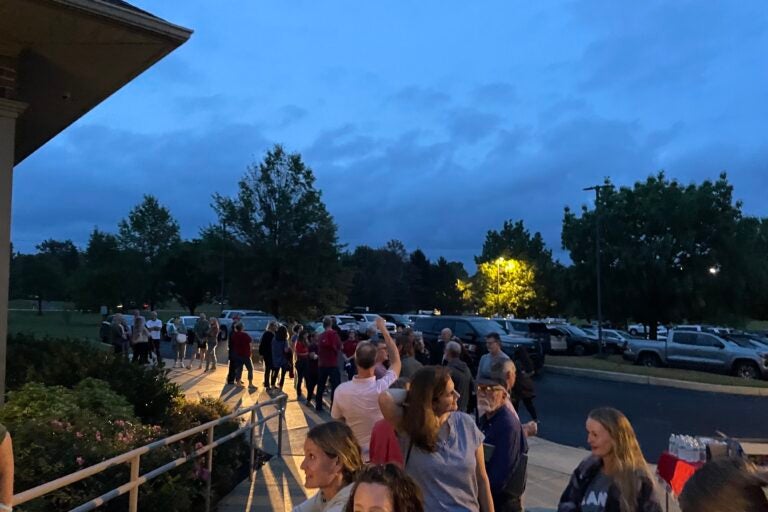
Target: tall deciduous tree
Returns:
[[151, 232], [193, 274], [514, 242], [659, 241], [379, 277], [279, 218], [103, 279]]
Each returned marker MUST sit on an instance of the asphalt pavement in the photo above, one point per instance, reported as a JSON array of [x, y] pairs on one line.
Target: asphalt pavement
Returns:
[[563, 402]]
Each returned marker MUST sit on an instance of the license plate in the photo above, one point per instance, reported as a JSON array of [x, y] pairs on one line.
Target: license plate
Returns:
[[558, 343]]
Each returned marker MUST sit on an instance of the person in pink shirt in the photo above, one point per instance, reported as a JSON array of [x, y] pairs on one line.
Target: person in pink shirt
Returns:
[[356, 402]]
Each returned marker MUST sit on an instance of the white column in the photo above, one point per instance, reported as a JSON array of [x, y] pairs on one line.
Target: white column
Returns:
[[9, 111]]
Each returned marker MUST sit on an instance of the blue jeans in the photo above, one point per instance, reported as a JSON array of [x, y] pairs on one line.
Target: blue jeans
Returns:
[[326, 373]]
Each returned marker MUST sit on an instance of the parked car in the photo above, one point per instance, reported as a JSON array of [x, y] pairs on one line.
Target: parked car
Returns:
[[255, 326], [533, 329], [343, 322], [366, 320], [700, 350], [712, 329], [471, 330], [571, 339], [397, 319], [616, 340], [642, 330], [228, 317]]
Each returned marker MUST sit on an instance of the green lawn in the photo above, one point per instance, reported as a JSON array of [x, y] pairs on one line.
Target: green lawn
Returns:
[[617, 364], [71, 324]]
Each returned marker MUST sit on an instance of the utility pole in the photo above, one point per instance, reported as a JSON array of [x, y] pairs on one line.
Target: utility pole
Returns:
[[597, 188]]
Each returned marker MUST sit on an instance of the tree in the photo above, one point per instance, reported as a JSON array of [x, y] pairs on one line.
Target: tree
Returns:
[[39, 276], [67, 258], [379, 277], [104, 278], [279, 221], [192, 274], [151, 233], [447, 295], [514, 242], [505, 287], [658, 243], [419, 277]]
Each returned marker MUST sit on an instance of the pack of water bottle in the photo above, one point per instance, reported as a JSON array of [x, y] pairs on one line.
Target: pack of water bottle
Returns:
[[687, 448]]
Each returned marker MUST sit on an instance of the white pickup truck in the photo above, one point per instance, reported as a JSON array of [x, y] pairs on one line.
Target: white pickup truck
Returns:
[[368, 320], [229, 316]]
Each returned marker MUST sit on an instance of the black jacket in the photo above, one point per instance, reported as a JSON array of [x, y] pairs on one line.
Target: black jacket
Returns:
[[571, 499], [265, 345]]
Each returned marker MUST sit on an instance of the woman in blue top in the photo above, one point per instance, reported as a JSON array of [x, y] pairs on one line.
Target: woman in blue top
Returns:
[[280, 353], [443, 448]]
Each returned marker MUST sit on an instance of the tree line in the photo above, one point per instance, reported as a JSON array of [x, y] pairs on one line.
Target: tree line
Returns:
[[669, 252]]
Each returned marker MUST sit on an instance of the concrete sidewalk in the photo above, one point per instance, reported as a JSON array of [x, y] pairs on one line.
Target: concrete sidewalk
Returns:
[[278, 485]]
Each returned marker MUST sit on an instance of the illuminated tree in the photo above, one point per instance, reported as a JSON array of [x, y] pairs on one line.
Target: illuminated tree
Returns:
[[504, 286]]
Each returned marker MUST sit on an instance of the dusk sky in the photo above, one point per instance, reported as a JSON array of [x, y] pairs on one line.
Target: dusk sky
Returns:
[[430, 121]]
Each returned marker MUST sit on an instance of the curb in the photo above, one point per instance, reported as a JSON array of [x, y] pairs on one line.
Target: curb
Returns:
[[657, 381]]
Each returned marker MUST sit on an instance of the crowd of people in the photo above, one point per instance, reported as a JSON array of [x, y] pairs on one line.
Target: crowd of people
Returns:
[[415, 431]]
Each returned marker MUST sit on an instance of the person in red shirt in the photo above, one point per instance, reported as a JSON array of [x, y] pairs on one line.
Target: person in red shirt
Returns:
[[384, 447], [328, 348], [301, 349], [348, 347], [239, 356]]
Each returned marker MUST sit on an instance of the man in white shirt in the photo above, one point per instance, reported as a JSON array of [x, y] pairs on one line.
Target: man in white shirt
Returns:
[[356, 402], [154, 326]]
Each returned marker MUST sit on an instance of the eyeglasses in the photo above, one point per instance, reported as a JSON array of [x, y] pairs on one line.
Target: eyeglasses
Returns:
[[482, 388]]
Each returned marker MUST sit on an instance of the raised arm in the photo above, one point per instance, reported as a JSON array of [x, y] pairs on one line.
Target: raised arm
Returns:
[[394, 354], [390, 403]]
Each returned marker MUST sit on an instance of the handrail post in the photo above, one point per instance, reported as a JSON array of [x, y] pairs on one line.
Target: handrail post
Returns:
[[209, 466], [280, 419], [133, 496], [251, 469]]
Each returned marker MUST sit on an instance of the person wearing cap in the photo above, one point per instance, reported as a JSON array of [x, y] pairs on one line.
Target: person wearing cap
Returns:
[[505, 437]]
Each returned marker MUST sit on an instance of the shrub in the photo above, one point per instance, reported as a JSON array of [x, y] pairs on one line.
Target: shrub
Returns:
[[94, 406], [66, 362], [58, 431]]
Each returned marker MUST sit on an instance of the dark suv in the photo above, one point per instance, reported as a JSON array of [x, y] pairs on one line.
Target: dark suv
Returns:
[[471, 330]]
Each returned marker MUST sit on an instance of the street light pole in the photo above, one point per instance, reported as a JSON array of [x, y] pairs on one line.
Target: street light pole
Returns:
[[597, 188], [498, 285]]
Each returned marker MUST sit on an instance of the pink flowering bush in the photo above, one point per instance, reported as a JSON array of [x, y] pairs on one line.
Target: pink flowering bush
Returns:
[[57, 431], [95, 406]]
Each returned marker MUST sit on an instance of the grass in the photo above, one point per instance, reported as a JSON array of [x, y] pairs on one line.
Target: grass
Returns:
[[71, 324], [617, 364]]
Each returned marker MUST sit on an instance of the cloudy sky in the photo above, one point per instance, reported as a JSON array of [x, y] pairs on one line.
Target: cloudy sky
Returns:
[[429, 121]]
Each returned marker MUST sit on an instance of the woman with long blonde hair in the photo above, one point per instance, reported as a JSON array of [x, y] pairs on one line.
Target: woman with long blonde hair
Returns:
[[615, 477]]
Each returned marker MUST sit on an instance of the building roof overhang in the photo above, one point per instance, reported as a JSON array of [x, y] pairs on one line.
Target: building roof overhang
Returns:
[[73, 54]]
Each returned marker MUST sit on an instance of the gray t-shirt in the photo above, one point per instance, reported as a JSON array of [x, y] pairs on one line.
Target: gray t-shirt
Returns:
[[447, 477], [487, 362], [596, 494]]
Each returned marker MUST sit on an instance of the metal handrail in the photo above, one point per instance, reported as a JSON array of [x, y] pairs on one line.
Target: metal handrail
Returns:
[[134, 457]]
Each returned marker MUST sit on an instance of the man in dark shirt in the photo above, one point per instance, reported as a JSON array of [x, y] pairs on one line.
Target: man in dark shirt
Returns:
[[463, 381], [265, 351], [505, 442], [328, 349]]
